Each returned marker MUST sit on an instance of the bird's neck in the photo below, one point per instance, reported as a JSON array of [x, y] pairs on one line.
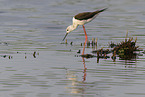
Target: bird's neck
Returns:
[[75, 26]]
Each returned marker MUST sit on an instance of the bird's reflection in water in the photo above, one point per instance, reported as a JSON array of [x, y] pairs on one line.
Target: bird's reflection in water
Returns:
[[75, 85], [85, 69], [83, 60]]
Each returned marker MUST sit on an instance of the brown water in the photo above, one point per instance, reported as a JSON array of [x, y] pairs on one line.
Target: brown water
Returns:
[[34, 63]]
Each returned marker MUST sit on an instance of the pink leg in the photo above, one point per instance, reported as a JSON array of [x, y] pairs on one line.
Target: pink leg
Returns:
[[86, 38]]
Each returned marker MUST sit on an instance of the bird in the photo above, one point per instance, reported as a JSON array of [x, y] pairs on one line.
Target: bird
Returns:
[[81, 19]]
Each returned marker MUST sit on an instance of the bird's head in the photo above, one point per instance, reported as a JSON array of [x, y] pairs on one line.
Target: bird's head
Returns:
[[69, 29]]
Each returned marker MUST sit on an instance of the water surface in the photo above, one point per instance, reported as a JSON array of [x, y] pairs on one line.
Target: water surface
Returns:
[[34, 63]]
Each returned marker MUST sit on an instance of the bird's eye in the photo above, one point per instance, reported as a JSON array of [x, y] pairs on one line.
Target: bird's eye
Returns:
[[67, 30]]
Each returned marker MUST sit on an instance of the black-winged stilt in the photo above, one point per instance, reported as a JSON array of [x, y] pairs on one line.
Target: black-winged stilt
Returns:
[[81, 19]]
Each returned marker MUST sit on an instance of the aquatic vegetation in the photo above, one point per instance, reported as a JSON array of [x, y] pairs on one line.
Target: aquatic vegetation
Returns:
[[125, 50]]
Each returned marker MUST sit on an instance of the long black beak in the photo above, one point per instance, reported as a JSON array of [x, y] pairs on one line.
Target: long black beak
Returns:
[[65, 36]]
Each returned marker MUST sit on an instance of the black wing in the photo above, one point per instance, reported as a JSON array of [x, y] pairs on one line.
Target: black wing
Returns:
[[88, 15]]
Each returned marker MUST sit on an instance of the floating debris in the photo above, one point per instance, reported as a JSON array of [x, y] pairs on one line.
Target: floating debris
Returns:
[[79, 51], [34, 54], [4, 43], [114, 56], [88, 56], [88, 43], [92, 43], [71, 43], [143, 52], [101, 51], [112, 44], [66, 41], [7, 56], [125, 50]]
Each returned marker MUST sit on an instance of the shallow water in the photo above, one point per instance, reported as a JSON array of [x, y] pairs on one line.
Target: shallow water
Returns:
[[34, 63]]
